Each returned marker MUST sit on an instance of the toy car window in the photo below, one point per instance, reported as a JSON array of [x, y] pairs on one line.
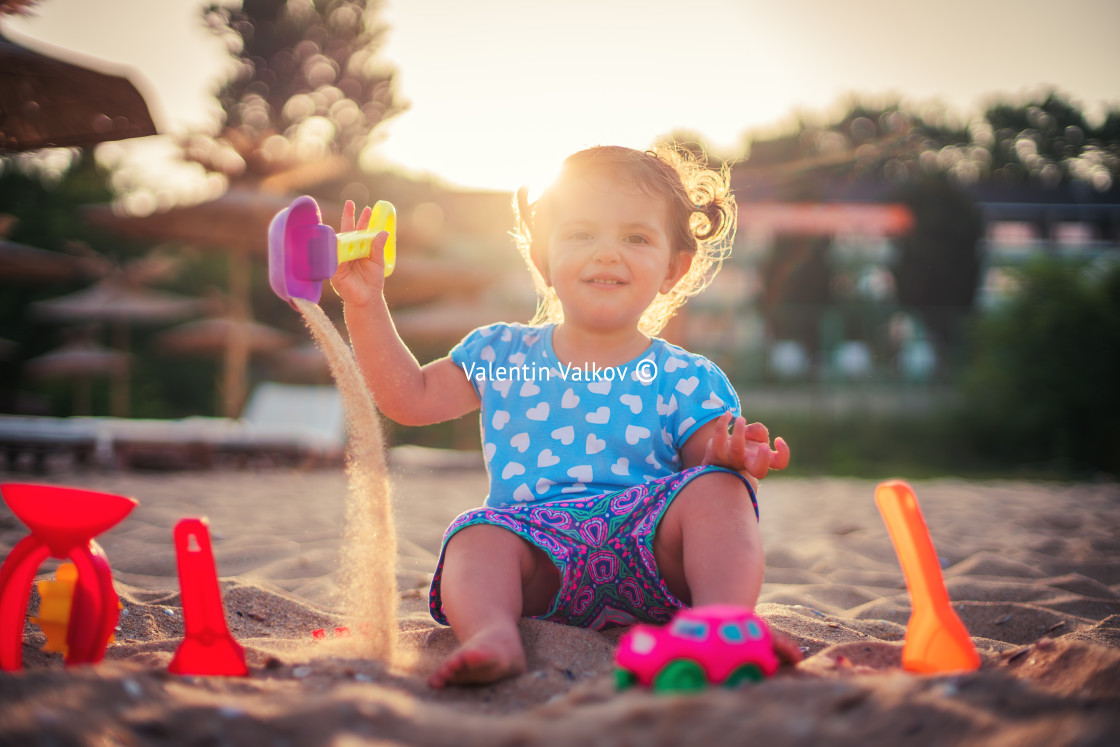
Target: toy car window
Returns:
[[694, 630], [732, 632], [754, 632]]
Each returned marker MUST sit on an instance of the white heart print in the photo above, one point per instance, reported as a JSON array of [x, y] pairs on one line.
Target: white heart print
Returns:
[[666, 409], [635, 433], [565, 435], [595, 445], [523, 493], [687, 386], [581, 472], [547, 459], [673, 364], [540, 412], [502, 385], [543, 484], [520, 442], [600, 387], [685, 425], [621, 467], [712, 402], [569, 400], [633, 401], [501, 417], [600, 416], [487, 354], [512, 469], [528, 389]]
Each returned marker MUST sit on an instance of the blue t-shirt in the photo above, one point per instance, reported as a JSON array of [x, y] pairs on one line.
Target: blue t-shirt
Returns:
[[551, 431]]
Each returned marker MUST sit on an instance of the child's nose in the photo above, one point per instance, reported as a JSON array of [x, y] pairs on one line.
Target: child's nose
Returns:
[[606, 250]]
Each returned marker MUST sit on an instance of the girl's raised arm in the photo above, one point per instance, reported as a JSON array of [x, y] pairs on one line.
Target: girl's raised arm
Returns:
[[404, 390]]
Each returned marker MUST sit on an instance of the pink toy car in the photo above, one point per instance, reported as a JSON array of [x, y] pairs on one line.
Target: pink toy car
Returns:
[[712, 645]]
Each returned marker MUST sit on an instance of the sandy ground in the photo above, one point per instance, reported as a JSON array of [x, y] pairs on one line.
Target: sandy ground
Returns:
[[1033, 570]]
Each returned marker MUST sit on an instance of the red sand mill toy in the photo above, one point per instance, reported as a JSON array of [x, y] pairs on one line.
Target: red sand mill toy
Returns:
[[302, 252], [63, 522]]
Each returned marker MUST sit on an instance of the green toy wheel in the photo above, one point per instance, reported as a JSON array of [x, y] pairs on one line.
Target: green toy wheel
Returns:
[[746, 673], [624, 679], [680, 676]]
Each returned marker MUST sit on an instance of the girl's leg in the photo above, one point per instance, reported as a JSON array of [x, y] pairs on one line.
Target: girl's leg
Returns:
[[491, 578], [709, 549], [708, 546]]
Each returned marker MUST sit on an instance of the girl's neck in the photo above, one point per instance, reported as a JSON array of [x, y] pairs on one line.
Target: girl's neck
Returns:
[[577, 346]]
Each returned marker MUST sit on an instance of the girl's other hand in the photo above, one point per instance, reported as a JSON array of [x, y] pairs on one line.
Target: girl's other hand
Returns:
[[360, 281], [745, 449]]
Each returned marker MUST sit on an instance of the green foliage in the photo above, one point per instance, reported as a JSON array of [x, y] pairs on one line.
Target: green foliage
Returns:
[[1042, 386]]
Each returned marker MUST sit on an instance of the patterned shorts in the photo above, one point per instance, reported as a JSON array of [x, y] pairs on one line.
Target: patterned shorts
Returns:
[[603, 547]]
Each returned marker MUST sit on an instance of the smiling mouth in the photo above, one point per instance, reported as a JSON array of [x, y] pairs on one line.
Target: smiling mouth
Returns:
[[605, 282]]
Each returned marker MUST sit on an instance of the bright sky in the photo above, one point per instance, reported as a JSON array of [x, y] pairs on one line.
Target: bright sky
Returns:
[[501, 90]]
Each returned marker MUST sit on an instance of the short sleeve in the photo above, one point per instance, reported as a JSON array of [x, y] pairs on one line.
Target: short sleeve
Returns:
[[469, 352], [705, 400]]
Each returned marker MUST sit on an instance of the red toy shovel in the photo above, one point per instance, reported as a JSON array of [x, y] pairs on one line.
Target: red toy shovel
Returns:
[[208, 647], [936, 639]]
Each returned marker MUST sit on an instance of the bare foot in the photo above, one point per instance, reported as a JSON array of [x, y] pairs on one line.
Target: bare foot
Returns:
[[489, 656]]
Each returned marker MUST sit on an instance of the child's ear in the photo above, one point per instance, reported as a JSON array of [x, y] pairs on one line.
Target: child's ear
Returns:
[[679, 266]]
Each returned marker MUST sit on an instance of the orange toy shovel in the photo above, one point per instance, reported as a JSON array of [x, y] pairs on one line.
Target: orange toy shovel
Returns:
[[936, 639]]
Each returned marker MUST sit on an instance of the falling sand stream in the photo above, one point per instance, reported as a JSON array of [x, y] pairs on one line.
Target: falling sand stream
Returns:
[[369, 546]]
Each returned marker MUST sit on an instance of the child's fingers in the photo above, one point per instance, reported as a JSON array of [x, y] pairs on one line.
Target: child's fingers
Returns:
[[363, 222], [779, 459], [718, 444], [758, 432], [758, 459], [347, 223], [377, 250]]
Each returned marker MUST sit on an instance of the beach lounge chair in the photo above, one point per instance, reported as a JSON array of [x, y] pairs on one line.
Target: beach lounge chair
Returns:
[[281, 424]]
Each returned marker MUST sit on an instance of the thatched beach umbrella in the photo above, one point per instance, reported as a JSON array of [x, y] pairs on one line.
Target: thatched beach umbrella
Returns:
[[20, 264], [210, 337], [45, 102], [120, 304], [81, 361], [215, 337], [236, 224]]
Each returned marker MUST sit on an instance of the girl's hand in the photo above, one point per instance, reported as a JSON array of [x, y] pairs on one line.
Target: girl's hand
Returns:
[[361, 281], [745, 449]]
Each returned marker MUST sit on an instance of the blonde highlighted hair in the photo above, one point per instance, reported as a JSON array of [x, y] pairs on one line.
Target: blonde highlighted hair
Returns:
[[701, 219]]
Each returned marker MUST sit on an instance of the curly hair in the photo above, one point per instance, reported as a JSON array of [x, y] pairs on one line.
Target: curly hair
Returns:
[[701, 219]]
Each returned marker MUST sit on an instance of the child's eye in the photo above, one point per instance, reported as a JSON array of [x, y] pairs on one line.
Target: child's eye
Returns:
[[579, 236], [636, 239]]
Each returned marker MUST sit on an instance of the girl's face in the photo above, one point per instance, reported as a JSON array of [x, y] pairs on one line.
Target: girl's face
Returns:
[[608, 253]]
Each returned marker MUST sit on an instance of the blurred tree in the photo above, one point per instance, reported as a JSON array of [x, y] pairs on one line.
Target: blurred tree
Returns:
[[1041, 387], [307, 85], [1049, 142], [939, 266]]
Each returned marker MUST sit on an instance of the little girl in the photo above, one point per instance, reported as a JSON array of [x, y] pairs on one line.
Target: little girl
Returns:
[[622, 479]]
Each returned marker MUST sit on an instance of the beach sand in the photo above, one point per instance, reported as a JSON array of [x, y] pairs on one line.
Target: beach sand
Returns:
[[1032, 568]]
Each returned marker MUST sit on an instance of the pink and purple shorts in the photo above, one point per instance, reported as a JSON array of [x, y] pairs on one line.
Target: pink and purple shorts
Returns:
[[603, 547]]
